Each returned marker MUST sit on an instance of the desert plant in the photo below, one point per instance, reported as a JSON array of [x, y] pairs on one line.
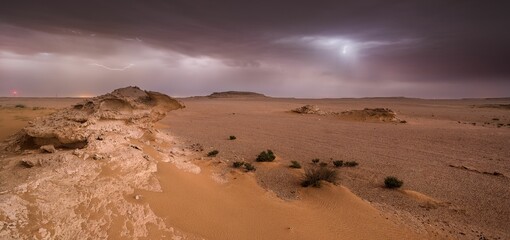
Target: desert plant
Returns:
[[295, 164], [323, 164], [315, 160], [266, 156], [232, 137], [314, 176], [393, 182], [351, 164], [213, 153], [338, 163], [237, 164], [20, 106], [249, 167]]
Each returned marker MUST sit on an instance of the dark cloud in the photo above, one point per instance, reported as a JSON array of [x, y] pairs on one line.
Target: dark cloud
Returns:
[[364, 42]]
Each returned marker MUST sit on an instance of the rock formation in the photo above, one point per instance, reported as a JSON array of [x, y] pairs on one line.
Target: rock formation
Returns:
[[309, 109], [372, 114], [367, 114], [236, 94], [69, 175]]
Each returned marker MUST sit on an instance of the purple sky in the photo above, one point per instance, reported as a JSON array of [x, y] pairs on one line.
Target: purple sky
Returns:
[[428, 49]]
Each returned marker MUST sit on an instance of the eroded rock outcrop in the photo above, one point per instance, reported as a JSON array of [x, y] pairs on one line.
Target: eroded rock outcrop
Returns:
[[73, 174], [74, 127], [309, 109], [372, 114], [367, 114]]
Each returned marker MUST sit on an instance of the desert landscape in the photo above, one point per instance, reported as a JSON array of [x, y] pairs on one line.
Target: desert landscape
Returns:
[[254, 120], [119, 166]]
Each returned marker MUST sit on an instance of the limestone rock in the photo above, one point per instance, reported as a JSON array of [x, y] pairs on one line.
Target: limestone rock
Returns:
[[76, 126], [27, 163], [48, 148], [309, 109]]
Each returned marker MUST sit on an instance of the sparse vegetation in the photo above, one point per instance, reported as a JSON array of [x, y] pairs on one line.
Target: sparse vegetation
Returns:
[[237, 164], [20, 106], [351, 164], [315, 161], [323, 164], [295, 164], [338, 163], [213, 153], [266, 156], [393, 182], [232, 137], [249, 167], [314, 176]]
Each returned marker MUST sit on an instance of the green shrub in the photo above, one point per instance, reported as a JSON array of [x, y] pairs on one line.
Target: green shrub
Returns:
[[315, 161], [351, 164], [393, 182], [213, 153], [266, 156], [295, 164], [232, 137], [249, 167], [314, 176], [338, 163], [20, 106], [238, 164]]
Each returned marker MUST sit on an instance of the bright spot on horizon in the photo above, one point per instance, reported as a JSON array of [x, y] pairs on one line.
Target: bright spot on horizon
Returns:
[[14, 93]]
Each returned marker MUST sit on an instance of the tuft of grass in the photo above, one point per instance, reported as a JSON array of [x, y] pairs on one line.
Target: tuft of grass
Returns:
[[238, 164], [314, 176], [323, 164], [315, 160], [295, 164], [351, 164], [338, 163], [249, 167], [232, 137], [213, 153], [20, 106], [393, 182], [266, 156]]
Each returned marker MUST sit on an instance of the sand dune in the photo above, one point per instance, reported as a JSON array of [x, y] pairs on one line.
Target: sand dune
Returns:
[[240, 209]]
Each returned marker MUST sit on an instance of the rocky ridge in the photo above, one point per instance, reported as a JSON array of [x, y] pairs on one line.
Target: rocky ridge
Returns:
[[73, 174]]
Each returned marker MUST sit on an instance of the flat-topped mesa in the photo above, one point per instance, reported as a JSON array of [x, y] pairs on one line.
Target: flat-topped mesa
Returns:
[[72, 127], [236, 94]]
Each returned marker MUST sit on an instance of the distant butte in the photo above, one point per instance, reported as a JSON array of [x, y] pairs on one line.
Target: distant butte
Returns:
[[235, 94]]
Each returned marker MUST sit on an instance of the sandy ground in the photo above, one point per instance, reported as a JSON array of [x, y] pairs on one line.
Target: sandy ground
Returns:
[[429, 153], [14, 118], [444, 154]]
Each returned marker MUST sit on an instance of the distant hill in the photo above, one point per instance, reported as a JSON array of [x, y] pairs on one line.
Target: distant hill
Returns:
[[236, 94]]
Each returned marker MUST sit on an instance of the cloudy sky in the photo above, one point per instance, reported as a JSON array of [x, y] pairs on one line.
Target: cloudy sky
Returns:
[[428, 49]]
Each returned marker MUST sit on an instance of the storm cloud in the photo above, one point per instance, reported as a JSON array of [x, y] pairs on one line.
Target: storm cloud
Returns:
[[433, 49]]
